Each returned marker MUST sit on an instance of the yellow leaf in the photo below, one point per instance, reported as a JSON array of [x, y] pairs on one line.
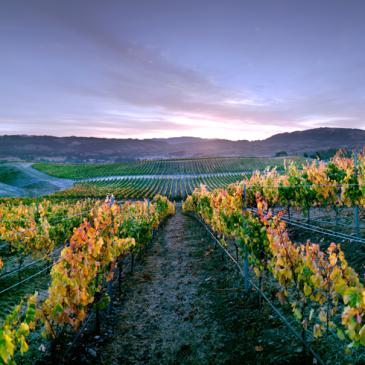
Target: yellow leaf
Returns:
[[81, 316], [23, 345], [340, 286], [9, 346], [257, 271], [307, 290], [322, 316], [24, 328], [317, 330], [332, 259]]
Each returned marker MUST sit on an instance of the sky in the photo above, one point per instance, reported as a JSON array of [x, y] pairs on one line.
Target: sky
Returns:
[[233, 69]]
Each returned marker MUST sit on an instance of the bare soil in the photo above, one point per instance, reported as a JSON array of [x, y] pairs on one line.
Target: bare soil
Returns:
[[184, 304]]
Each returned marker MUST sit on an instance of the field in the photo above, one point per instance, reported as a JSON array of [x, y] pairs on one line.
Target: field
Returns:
[[175, 188], [216, 279], [162, 167], [173, 178]]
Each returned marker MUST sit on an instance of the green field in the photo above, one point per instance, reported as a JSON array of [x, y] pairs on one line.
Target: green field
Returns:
[[138, 188], [162, 167]]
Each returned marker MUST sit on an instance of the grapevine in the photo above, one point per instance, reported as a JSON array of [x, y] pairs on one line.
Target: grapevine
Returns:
[[318, 285]]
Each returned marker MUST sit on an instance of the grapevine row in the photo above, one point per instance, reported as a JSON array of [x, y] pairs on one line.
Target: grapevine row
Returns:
[[339, 183], [322, 290], [78, 277], [137, 188], [37, 228], [159, 167]]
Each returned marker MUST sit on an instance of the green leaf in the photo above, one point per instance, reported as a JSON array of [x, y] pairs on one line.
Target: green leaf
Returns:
[[297, 314], [340, 334], [352, 297], [362, 335], [57, 309]]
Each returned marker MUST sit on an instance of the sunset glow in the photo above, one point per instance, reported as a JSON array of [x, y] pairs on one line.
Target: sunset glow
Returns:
[[141, 69]]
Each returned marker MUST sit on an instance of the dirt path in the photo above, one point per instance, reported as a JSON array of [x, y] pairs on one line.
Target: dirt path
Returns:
[[185, 305], [41, 176], [29, 182], [166, 319]]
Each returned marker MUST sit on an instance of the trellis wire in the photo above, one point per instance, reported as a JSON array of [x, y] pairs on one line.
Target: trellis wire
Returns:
[[25, 280], [330, 223], [34, 275], [323, 231], [34, 262], [12, 272], [317, 229], [53, 223], [272, 305]]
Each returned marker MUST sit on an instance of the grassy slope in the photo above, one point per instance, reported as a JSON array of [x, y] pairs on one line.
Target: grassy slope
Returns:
[[22, 180]]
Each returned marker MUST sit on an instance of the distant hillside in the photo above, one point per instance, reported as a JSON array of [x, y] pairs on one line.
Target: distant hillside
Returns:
[[19, 179], [103, 149]]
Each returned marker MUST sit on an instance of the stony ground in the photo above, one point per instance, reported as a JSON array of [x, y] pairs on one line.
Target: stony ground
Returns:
[[185, 305]]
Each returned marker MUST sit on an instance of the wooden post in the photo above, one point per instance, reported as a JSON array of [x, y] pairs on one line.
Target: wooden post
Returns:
[[356, 208], [110, 293], [132, 262], [246, 272], [244, 197], [97, 304], [120, 273], [245, 262], [236, 247]]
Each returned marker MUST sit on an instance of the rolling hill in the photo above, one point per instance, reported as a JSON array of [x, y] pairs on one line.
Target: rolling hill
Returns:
[[14, 147]]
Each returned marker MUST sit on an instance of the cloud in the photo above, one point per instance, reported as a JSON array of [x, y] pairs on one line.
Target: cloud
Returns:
[[97, 81]]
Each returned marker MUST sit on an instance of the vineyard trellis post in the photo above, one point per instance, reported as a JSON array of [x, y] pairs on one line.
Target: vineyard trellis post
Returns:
[[97, 305], [356, 208], [110, 282], [245, 262]]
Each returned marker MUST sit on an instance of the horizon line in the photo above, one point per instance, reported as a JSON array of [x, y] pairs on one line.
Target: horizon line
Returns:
[[173, 137]]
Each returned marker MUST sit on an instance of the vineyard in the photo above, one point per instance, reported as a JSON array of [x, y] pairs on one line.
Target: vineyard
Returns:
[[83, 258], [161, 167], [175, 188], [313, 281], [294, 236]]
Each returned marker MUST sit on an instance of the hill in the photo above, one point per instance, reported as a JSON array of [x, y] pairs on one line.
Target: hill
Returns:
[[78, 149], [20, 179]]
